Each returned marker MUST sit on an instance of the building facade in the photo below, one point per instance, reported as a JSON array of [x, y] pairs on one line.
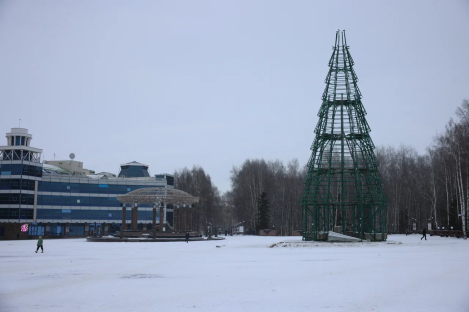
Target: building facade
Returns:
[[39, 198]]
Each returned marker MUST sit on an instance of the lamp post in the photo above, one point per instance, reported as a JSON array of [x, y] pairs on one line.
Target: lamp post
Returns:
[[209, 229]]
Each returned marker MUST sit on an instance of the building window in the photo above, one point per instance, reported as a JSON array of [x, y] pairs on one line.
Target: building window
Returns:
[[35, 229], [78, 201], [22, 140], [68, 187], [18, 140], [12, 140], [128, 189], [66, 211], [76, 230], [103, 185]]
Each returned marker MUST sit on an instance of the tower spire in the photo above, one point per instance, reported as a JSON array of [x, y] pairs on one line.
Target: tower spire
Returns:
[[343, 188]]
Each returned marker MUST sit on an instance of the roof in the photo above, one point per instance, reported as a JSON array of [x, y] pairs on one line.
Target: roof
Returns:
[[154, 195], [107, 174], [134, 163], [54, 169]]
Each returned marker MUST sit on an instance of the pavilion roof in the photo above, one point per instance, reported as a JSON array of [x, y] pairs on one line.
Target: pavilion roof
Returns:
[[155, 195]]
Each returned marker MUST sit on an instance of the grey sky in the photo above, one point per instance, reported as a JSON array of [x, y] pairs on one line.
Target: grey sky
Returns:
[[178, 83]]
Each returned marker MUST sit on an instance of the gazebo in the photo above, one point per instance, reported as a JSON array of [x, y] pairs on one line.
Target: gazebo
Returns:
[[158, 196]]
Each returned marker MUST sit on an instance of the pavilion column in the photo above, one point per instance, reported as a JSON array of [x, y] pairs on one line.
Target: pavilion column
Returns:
[[123, 219], [135, 217], [154, 221], [180, 219], [190, 220], [175, 228], [184, 217], [161, 218]]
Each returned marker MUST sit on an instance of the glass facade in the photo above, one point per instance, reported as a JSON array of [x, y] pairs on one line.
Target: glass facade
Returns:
[[56, 229], [15, 213], [16, 184], [16, 198], [21, 169], [76, 214], [35, 229], [76, 230], [134, 172], [67, 187]]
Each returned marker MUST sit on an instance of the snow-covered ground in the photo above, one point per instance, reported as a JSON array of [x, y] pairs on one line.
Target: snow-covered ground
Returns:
[[244, 274]]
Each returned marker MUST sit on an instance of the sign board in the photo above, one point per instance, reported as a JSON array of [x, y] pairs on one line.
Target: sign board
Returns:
[[67, 229], [429, 226], [414, 227], [24, 227]]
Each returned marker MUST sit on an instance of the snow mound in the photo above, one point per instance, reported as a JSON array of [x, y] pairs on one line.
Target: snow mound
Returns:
[[139, 276], [312, 244], [337, 237]]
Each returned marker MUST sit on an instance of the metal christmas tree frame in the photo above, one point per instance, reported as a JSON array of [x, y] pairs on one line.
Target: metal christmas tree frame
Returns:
[[343, 187]]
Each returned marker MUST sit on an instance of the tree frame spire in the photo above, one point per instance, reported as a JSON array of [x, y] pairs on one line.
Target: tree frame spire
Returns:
[[343, 187]]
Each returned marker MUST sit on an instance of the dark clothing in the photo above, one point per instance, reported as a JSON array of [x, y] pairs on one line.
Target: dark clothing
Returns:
[[40, 247], [187, 237], [424, 234]]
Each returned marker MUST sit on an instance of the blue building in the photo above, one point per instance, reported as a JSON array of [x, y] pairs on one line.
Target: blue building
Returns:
[[61, 198]]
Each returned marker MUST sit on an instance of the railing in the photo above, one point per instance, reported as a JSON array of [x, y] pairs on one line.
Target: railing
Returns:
[[20, 155]]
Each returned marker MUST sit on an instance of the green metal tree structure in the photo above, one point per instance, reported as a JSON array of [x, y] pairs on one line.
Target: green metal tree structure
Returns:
[[343, 187]]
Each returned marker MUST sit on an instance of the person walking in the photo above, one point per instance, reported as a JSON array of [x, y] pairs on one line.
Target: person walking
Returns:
[[424, 233], [39, 244], [187, 237]]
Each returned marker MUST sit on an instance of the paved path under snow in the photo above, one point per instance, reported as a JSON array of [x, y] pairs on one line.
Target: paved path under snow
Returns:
[[243, 275]]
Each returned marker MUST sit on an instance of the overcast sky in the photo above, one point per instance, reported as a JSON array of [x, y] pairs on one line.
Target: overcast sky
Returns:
[[211, 83]]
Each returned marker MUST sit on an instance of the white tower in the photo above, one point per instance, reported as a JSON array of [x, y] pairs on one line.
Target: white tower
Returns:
[[18, 147], [20, 171]]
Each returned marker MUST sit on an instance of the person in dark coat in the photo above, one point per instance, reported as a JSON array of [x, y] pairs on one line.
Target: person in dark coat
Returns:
[[187, 237], [424, 233], [39, 244]]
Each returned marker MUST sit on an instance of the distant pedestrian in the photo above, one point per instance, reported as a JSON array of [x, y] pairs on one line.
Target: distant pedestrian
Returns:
[[226, 232], [424, 233], [187, 237], [39, 244]]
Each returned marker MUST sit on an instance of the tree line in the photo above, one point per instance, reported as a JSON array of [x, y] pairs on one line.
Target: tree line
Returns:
[[433, 187], [420, 188]]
